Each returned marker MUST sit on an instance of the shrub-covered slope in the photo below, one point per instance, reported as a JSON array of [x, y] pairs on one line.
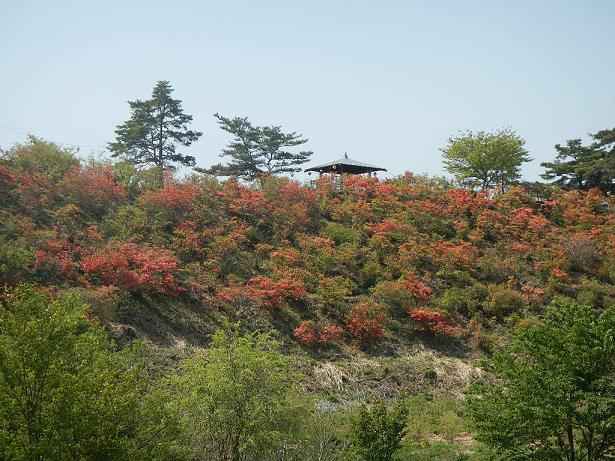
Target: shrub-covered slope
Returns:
[[379, 264]]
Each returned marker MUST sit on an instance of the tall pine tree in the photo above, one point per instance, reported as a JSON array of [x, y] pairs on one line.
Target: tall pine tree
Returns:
[[154, 129], [258, 151]]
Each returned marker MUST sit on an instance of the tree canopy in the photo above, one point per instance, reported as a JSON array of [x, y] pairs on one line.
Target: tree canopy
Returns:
[[553, 397], [63, 393], [236, 399], [378, 431], [487, 160], [258, 151], [154, 129], [585, 166]]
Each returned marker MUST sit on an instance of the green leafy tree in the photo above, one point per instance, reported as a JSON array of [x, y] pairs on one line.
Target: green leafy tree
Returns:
[[553, 392], [486, 160], [258, 151], [63, 393], [585, 166], [39, 157], [378, 431], [236, 398], [154, 129]]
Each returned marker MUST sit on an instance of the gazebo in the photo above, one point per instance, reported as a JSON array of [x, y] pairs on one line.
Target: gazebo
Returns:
[[345, 166]]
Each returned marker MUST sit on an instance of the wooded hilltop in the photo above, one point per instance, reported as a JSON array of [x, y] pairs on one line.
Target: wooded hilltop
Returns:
[[151, 315]]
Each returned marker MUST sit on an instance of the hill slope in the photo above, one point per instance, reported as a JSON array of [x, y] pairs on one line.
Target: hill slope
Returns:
[[385, 287]]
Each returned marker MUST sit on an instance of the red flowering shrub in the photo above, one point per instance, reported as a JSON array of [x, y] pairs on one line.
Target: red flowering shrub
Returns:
[[93, 188], [532, 294], [56, 256], [173, 196], [366, 321], [231, 293], [188, 240], [264, 291], [525, 220], [134, 268], [462, 201], [331, 333], [457, 254], [559, 274], [307, 333], [385, 227], [286, 256], [418, 289], [244, 201], [7, 180], [272, 294], [433, 321], [521, 248]]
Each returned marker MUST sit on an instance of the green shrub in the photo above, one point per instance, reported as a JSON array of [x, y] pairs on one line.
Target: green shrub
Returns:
[[394, 295], [16, 261], [582, 255], [440, 417], [503, 301], [465, 301], [457, 278], [64, 393], [492, 268], [340, 234], [378, 431], [236, 399]]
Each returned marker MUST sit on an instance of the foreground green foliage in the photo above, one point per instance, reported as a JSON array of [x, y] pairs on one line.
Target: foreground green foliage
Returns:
[[235, 399], [554, 393], [378, 432], [64, 394]]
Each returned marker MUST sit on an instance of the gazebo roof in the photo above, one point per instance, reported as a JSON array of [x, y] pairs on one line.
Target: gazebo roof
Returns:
[[345, 165]]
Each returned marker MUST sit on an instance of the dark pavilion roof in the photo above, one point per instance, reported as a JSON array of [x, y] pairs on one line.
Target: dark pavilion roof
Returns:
[[345, 165]]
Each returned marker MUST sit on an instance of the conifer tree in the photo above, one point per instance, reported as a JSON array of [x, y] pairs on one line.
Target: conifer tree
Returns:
[[585, 166], [154, 129], [258, 151]]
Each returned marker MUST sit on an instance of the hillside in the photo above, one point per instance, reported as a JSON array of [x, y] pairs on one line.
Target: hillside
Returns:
[[382, 288]]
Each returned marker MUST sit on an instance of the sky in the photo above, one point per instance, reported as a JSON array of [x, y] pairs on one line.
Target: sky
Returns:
[[386, 81]]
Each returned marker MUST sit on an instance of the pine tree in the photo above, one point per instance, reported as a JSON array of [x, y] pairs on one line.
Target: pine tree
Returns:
[[154, 129], [584, 167], [258, 151]]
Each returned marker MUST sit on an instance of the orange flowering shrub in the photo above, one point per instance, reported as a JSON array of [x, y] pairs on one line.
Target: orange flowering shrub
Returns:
[[56, 256], [133, 268], [309, 334], [417, 288], [385, 227], [174, 196], [93, 188], [244, 201], [264, 291], [366, 321], [433, 321], [331, 333], [272, 294], [457, 254], [8, 180]]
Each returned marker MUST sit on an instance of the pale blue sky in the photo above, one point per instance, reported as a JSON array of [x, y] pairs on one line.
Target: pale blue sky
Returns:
[[387, 81]]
